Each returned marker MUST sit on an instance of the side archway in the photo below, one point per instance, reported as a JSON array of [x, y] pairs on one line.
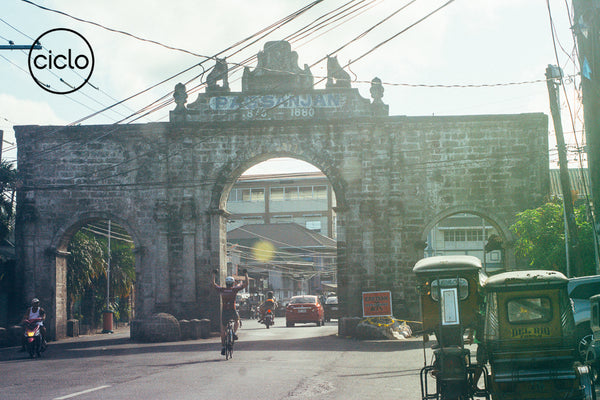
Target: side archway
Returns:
[[500, 234], [59, 255]]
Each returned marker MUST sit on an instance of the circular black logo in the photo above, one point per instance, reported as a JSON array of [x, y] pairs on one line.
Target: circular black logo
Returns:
[[66, 55]]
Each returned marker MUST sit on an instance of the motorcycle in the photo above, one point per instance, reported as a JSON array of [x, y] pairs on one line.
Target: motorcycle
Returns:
[[33, 338], [255, 312], [268, 320]]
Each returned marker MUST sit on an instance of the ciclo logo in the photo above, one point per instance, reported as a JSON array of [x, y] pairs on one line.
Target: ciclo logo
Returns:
[[65, 55]]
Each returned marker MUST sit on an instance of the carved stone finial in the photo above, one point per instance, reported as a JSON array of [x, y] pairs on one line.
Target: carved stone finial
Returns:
[[180, 96], [377, 91], [277, 71], [218, 74], [377, 106], [336, 76]]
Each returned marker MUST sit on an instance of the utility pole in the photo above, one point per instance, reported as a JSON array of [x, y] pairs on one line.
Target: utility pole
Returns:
[[12, 46], [585, 26], [108, 270], [553, 77], [107, 315]]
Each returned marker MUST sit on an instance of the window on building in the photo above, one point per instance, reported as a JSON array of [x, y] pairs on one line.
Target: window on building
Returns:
[[252, 219], [461, 235], [249, 195], [257, 194], [245, 194], [474, 235], [448, 236], [290, 193], [298, 193], [277, 194], [305, 192], [320, 192], [313, 225]]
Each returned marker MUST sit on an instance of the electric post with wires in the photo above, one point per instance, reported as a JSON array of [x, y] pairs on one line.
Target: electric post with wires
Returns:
[[107, 314], [553, 79], [585, 27]]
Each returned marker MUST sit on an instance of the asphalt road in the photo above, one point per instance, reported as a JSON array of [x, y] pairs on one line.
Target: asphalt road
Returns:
[[304, 362]]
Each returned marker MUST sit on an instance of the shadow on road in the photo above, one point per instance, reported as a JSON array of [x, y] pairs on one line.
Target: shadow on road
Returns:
[[121, 345]]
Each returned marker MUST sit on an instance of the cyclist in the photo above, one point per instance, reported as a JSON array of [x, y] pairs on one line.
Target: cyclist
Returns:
[[269, 304], [228, 311]]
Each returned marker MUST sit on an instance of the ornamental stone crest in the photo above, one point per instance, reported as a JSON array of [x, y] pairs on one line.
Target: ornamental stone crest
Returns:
[[277, 71], [278, 89]]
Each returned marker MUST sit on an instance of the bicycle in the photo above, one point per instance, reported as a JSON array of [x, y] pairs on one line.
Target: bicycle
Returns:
[[229, 339]]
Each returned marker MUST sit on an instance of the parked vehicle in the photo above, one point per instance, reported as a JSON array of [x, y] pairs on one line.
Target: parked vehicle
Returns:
[[281, 306], [449, 288], [580, 291], [331, 308], [33, 338], [592, 356], [529, 338], [304, 309]]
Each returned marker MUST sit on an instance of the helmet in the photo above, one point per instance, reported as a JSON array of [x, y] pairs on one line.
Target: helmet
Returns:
[[229, 281], [35, 300], [269, 295]]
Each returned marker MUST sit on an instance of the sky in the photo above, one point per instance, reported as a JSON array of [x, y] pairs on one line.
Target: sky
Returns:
[[494, 54]]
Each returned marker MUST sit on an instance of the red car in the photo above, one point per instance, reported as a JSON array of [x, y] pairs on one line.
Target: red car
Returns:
[[304, 309]]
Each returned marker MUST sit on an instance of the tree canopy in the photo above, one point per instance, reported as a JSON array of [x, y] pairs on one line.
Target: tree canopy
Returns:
[[540, 236], [86, 275], [8, 177]]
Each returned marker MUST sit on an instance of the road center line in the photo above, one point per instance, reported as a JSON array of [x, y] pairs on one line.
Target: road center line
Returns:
[[82, 392]]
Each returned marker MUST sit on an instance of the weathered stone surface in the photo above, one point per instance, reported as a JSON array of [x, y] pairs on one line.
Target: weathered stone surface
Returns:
[[136, 330], [204, 328], [15, 333], [347, 326], [186, 329], [161, 327], [73, 327], [167, 184]]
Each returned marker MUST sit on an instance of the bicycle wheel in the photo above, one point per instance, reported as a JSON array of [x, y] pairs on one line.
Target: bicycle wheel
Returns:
[[229, 351], [229, 343]]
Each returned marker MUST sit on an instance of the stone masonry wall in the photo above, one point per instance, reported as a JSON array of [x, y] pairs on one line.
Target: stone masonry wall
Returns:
[[167, 184]]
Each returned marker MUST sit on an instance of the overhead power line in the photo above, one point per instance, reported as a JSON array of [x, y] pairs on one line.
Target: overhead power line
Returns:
[[115, 30], [281, 21]]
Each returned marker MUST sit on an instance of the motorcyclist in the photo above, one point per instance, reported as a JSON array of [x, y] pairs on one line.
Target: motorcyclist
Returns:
[[268, 304], [35, 312], [228, 311]]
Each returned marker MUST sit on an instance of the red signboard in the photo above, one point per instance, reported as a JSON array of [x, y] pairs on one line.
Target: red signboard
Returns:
[[377, 304]]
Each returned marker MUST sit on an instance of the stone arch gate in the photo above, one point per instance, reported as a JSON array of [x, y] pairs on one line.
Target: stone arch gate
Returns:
[[167, 184]]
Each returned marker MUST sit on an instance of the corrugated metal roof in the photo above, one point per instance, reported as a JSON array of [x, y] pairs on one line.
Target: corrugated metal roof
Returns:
[[286, 235], [577, 177]]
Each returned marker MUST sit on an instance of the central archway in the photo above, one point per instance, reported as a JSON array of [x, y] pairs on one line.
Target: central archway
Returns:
[[222, 192]]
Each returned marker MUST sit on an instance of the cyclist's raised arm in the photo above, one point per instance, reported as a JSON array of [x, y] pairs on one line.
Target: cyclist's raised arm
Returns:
[[213, 280], [246, 280]]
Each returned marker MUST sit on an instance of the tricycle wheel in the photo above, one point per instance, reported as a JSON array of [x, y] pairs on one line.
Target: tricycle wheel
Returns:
[[586, 383], [583, 344]]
